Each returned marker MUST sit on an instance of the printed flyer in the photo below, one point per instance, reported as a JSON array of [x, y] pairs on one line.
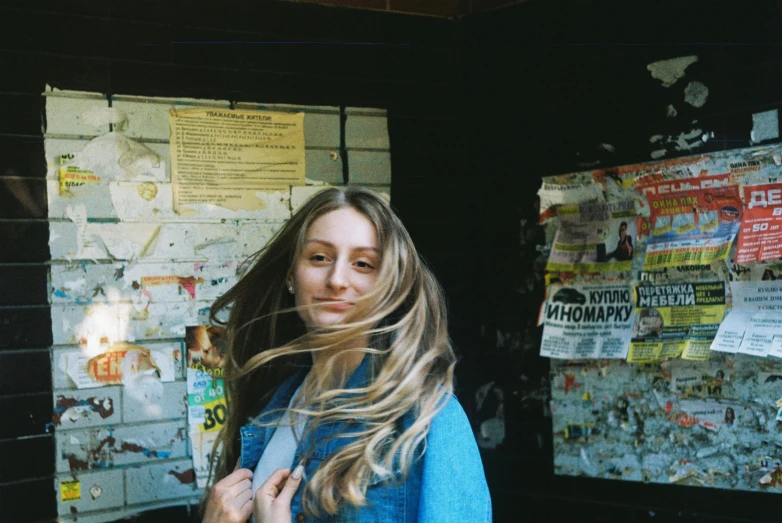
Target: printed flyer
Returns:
[[676, 320], [553, 194], [711, 415], [594, 238], [699, 379], [754, 324], [760, 238], [121, 364], [206, 409], [694, 227], [586, 321]]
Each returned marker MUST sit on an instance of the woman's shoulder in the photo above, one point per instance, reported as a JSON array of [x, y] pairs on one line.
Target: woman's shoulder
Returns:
[[451, 452], [450, 421]]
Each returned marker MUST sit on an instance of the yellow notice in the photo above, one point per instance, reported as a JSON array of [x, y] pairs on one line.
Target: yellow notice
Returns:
[[154, 281], [70, 490], [73, 176], [224, 157]]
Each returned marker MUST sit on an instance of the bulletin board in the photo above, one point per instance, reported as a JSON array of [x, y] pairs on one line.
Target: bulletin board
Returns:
[[663, 320]]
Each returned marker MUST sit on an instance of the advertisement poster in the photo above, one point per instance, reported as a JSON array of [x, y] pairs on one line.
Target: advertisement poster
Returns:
[[206, 410], [754, 324], [700, 379], [587, 321], [694, 227], [121, 364], [653, 186], [553, 194], [760, 238], [657, 184], [711, 415], [594, 238], [223, 157], [676, 320]]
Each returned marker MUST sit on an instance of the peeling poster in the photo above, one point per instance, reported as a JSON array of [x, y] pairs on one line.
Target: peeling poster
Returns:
[[754, 325], [224, 157], [206, 409], [121, 363]]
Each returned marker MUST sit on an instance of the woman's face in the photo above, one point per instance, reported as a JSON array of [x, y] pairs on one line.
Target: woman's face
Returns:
[[339, 263]]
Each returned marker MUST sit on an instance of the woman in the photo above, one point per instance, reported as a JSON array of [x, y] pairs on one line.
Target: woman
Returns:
[[340, 369]]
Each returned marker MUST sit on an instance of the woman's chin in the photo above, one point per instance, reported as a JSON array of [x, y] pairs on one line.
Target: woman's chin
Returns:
[[327, 319]]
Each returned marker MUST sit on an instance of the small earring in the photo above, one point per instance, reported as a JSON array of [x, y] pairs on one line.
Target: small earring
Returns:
[[290, 289]]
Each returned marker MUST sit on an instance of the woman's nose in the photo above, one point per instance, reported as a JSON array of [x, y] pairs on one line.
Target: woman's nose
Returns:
[[338, 276]]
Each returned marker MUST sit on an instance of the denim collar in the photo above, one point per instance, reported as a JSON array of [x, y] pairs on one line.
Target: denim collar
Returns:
[[254, 436], [282, 396]]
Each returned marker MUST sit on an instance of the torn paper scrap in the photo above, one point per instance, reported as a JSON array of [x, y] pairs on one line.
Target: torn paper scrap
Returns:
[[669, 71], [696, 94], [765, 126], [141, 200], [100, 116], [122, 363], [553, 194], [116, 157], [74, 176]]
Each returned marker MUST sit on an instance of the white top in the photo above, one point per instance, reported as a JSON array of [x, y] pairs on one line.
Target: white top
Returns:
[[281, 448]]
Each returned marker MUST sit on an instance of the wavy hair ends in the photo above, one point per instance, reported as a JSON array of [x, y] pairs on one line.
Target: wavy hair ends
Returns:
[[403, 317]]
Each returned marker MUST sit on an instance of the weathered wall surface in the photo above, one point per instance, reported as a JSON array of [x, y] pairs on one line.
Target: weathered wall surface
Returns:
[[122, 449], [622, 421]]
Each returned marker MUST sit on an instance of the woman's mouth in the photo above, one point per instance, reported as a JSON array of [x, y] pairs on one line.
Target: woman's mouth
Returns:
[[334, 304]]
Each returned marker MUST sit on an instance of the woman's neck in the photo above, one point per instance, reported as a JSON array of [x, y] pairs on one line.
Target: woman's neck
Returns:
[[342, 364]]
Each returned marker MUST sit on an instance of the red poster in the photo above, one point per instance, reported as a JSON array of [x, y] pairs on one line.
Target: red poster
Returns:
[[654, 184], [760, 238]]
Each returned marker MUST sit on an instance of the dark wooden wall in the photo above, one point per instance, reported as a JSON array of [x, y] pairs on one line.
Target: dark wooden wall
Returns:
[[479, 110], [547, 82]]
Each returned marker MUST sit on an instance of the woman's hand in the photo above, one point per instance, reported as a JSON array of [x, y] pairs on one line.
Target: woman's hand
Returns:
[[231, 499], [272, 502]]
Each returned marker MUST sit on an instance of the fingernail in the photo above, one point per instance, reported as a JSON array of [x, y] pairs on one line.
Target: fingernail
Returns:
[[298, 472]]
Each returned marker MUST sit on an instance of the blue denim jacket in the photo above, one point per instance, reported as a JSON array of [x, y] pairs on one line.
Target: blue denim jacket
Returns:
[[446, 485]]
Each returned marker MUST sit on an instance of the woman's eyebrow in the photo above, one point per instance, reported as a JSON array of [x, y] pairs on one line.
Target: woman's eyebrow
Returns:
[[329, 244]]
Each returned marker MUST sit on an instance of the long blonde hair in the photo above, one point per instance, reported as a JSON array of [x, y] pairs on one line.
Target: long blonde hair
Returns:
[[411, 358]]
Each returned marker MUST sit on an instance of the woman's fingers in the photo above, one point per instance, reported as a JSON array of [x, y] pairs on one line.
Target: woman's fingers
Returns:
[[242, 506], [247, 509], [230, 499], [273, 485], [291, 486], [272, 501], [237, 488], [232, 484], [244, 502], [237, 476]]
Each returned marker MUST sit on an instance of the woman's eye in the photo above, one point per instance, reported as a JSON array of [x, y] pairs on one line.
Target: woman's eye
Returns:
[[364, 265], [318, 258]]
